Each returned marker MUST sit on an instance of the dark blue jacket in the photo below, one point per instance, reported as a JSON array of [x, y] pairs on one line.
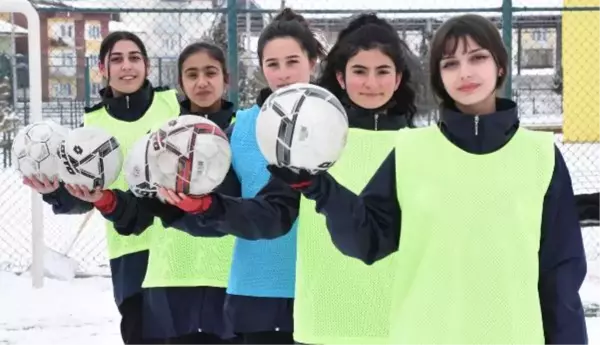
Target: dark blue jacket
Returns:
[[263, 217], [373, 231], [127, 271], [175, 311]]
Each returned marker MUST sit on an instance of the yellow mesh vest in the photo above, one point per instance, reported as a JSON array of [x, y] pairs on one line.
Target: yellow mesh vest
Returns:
[[164, 107], [467, 265], [340, 300]]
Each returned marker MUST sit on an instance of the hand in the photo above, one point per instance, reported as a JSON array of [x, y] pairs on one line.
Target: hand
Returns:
[[184, 202], [297, 178], [41, 185], [81, 192]]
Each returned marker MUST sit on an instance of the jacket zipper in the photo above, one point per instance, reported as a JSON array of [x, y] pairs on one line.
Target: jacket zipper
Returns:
[[476, 122], [127, 100], [376, 121]]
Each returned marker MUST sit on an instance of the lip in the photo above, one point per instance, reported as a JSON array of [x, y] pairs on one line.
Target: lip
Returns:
[[128, 77], [371, 94], [203, 93], [468, 87]]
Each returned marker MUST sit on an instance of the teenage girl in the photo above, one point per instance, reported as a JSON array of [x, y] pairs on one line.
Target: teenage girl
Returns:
[[259, 304], [480, 211], [130, 107]]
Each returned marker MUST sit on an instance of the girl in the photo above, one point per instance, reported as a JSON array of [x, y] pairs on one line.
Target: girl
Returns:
[[481, 212], [186, 278], [130, 107], [337, 299], [259, 305]]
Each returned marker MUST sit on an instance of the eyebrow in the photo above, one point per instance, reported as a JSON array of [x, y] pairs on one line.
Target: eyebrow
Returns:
[[469, 52], [194, 68], [287, 57], [129, 53], [378, 67]]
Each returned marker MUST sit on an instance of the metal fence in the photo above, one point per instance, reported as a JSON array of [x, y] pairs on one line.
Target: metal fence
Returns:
[[554, 80]]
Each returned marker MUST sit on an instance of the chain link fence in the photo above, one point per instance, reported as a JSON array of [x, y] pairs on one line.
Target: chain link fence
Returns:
[[554, 79]]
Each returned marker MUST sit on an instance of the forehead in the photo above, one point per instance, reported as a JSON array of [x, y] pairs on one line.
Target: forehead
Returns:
[[125, 47], [459, 45], [370, 58], [200, 59], [282, 47]]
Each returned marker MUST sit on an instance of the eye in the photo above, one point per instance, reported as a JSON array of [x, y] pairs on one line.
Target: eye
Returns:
[[449, 64]]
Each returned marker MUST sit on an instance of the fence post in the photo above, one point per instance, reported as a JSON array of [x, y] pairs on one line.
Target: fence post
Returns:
[[232, 52], [87, 80], [507, 24]]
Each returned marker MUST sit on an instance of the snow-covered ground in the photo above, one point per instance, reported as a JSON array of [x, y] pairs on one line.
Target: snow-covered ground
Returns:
[[71, 313]]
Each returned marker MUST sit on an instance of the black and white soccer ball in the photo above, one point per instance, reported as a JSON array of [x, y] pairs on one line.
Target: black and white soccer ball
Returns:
[[190, 155], [90, 157], [34, 149], [302, 126], [137, 170]]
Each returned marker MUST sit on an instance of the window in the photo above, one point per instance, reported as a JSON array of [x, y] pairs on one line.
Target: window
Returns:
[[66, 30], [93, 32], [93, 60], [62, 90], [538, 58], [67, 59], [95, 89], [539, 35], [170, 43]]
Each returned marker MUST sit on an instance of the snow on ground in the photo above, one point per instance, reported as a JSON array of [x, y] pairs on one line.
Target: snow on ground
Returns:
[[70, 313]]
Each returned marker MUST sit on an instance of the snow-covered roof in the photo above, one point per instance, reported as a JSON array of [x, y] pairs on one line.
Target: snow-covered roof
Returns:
[[7, 28]]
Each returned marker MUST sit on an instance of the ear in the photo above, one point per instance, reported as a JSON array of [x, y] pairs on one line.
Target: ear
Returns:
[[500, 72], [312, 64], [226, 78], [102, 69], [398, 80], [340, 78]]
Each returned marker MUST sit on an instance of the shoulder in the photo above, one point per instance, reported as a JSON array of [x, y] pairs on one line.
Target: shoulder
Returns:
[[93, 108]]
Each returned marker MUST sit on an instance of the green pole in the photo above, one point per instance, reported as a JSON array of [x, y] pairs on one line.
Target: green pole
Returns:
[[507, 24], [87, 81], [232, 52]]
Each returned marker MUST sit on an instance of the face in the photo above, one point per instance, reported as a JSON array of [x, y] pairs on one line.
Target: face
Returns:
[[370, 78], [469, 76], [284, 62], [127, 67], [203, 81]]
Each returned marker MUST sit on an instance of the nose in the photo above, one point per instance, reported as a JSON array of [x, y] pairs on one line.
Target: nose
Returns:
[[201, 82], [465, 71], [370, 81], [126, 65]]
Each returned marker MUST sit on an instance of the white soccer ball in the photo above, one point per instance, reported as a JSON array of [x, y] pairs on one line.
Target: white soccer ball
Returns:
[[190, 155], [302, 126], [35, 148], [137, 170], [90, 157]]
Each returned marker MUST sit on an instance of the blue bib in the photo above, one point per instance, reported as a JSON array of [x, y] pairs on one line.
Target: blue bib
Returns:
[[263, 268]]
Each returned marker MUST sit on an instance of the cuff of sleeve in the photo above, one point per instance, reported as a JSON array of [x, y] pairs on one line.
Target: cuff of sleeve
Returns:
[[107, 203]]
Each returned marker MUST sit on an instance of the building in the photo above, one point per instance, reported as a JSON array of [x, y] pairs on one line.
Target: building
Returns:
[[70, 46]]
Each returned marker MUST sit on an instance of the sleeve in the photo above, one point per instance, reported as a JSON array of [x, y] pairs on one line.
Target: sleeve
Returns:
[[64, 203], [367, 226], [562, 262], [270, 214], [131, 215], [588, 207]]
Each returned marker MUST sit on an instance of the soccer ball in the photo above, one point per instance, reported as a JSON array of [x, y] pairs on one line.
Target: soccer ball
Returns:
[[137, 171], [90, 157], [34, 149], [190, 155], [302, 126]]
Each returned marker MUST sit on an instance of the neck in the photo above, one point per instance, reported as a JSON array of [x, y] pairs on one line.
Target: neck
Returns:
[[487, 106], [194, 108]]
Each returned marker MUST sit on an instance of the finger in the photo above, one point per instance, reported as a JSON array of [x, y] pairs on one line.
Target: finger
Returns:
[[165, 195], [84, 191], [71, 189], [55, 183], [45, 181], [36, 184], [26, 181], [174, 196]]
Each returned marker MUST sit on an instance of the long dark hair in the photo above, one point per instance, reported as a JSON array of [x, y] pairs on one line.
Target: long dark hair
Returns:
[[366, 32]]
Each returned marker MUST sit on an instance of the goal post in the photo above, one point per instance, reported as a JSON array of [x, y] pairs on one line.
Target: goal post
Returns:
[[35, 103]]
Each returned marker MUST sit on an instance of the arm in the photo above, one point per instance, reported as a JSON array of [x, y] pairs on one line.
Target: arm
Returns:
[[588, 207], [367, 226], [562, 262], [64, 203], [270, 214]]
